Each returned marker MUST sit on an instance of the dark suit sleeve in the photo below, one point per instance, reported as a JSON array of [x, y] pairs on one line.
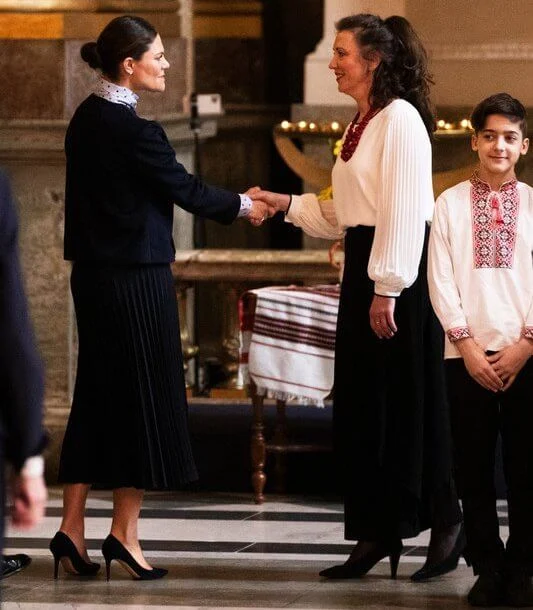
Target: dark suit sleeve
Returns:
[[21, 370], [156, 160]]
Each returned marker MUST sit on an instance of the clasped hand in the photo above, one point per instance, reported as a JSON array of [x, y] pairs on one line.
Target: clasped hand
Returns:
[[265, 204], [495, 372]]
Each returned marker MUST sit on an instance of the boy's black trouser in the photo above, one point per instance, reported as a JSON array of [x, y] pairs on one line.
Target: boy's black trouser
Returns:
[[477, 417]]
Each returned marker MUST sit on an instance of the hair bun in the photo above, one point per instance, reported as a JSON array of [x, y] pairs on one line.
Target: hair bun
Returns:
[[89, 53]]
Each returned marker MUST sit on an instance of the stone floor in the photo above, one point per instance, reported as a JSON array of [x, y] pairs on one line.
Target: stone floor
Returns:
[[223, 551]]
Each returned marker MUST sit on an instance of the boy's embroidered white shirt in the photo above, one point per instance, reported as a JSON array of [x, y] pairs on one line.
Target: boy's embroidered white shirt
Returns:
[[480, 264], [387, 184]]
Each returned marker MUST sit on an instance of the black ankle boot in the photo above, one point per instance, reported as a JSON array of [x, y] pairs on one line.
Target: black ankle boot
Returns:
[[519, 590], [488, 590]]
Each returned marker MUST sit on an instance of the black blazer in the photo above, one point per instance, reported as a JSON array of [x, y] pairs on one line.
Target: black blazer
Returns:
[[122, 182], [21, 371]]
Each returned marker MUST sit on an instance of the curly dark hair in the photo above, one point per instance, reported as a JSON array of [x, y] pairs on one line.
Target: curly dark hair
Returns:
[[403, 70]]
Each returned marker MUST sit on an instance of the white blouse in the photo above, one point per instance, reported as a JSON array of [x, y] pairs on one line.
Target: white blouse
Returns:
[[480, 269], [387, 183]]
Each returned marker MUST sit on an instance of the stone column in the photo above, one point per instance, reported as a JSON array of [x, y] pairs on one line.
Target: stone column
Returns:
[[44, 81]]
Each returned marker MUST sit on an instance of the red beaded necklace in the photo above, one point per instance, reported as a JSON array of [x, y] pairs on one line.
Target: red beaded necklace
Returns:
[[354, 133]]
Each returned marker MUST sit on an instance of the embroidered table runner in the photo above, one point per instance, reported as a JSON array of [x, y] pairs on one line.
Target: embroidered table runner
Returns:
[[287, 344]]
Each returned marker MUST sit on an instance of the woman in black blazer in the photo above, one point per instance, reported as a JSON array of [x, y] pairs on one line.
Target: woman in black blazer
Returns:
[[127, 429]]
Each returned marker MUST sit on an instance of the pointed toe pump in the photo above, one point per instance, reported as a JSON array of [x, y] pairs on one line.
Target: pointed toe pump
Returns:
[[357, 568], [66, 553], [448, 564], [114, 549]]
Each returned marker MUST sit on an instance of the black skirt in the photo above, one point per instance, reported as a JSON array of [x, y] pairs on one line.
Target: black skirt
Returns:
[[390, 414], [128, 423]]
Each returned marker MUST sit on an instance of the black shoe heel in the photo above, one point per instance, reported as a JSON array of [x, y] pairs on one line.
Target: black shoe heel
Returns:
[[114, 549], [359, 567], [394, 559], [64, 551]]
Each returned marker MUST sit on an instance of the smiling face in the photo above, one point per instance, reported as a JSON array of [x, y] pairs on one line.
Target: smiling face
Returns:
[[499, 146], [148, 72], [352, 71]]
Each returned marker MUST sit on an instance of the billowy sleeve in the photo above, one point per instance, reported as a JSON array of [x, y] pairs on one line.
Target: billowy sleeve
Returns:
[[443, 290], [404, 205], [316, 218]]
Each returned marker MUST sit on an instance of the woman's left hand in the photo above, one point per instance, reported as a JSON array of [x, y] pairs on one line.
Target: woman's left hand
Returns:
[[382, 316]]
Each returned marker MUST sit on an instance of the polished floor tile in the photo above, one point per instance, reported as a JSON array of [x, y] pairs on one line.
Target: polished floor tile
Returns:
[[223, 551]]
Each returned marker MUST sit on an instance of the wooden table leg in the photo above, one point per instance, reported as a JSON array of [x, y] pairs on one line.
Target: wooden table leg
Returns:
[[280, 441], [258, 447]]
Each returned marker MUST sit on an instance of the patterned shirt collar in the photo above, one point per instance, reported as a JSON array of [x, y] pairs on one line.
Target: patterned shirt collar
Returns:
[[484, 186], [115, 93]]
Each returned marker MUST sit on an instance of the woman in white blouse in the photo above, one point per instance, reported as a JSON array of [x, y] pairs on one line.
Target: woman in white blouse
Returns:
[[390, 414]]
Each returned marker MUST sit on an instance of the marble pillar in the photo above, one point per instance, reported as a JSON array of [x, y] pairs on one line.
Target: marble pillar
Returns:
[[39, 60]]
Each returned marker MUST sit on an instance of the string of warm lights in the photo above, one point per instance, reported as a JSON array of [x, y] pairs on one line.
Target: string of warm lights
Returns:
[[334, 128]]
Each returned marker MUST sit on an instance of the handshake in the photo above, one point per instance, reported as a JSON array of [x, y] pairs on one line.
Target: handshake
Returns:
[[265, 204]]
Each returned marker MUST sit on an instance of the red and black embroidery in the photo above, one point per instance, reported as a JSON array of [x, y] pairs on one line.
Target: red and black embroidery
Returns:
[[461, 332], [494, 223]]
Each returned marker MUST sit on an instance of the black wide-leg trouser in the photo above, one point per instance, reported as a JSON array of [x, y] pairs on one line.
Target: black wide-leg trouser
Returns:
[[477, 417]]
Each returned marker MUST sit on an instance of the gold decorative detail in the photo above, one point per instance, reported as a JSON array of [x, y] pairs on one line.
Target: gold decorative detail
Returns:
[[138, 6], [491, 51]]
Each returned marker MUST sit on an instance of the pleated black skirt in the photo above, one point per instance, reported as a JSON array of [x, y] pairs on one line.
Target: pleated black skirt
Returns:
[[128, 423], [390, 413]]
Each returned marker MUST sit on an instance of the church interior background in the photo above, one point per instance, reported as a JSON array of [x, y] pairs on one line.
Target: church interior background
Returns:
[[268, 61]]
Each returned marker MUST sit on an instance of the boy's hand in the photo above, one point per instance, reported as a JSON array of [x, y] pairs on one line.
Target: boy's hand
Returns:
[[478, 366], [508, 362]]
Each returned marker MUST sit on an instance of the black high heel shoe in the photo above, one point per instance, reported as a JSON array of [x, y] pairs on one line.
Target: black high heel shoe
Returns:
[[64, 551], [359, 567], [448, 564], [114, 549]]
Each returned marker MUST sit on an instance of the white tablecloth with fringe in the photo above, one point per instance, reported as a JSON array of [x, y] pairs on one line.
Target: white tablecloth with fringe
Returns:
[[288, 341]]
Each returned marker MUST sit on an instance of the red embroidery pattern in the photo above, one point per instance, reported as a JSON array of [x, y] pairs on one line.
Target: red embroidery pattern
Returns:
[[462, 332], [528, 332], [494, 220], [354, 133]]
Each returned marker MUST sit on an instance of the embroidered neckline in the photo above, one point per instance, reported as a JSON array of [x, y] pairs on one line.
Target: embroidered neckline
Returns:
[[354, 133], [477, 181], [494, 223]]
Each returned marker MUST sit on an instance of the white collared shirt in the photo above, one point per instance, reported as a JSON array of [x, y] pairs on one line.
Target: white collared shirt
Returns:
[[115, 93]]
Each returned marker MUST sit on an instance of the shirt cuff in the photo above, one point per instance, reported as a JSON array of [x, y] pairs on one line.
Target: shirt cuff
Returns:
[[294, 209], [381, 290], [33, 467], [527, 332], [246, 206], [457, 333]]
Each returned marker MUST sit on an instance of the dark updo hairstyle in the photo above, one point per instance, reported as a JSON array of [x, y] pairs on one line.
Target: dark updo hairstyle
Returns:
[[403, 71], [125, 36], [499, 103]]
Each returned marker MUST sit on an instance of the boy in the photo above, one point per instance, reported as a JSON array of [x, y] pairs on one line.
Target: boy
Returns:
[[481, 287]]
